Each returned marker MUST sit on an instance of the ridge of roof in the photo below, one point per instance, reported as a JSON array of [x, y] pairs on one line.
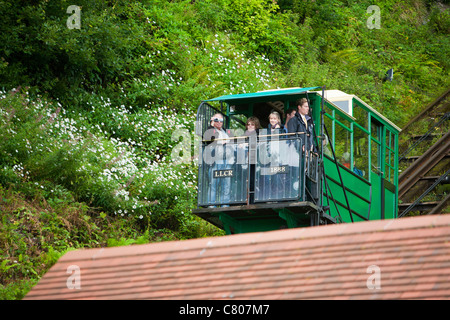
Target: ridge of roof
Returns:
[[260, 237]]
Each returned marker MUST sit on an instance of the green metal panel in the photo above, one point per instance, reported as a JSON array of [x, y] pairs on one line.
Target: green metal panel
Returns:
[[358, 192], [364, 196], [234, 226], [285, 219], [375, 212], [390, 204]]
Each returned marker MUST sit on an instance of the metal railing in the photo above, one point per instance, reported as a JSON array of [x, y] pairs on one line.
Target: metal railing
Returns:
[[247, 170]]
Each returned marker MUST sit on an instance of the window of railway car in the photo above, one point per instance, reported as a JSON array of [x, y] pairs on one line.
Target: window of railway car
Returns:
[[344, 105], [360, 152], [375, 156], [342, 143], [329, 125], [237, 124], [375, 130], [390, 156], [361, 115], [375, 146], [342, 140]]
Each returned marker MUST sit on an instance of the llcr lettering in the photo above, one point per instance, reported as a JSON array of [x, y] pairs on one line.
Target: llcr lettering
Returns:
[[222, 173]]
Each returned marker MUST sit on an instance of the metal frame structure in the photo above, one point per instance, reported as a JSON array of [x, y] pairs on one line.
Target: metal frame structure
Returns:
[[332, 191]]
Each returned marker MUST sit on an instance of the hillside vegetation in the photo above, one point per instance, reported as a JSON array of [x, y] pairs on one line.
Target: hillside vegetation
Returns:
[[88, 154]]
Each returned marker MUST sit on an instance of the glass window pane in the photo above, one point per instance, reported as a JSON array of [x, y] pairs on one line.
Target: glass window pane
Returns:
[[361, 115], [328, 141], [223, 173], [375, 155], [389, 165], [342, 145], [360, 152], [342, 120], [387, 169], [375, 130], [278, 170], [343, 105], [388, 139]]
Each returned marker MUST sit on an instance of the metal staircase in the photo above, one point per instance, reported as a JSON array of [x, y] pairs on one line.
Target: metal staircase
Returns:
[[423, 185]]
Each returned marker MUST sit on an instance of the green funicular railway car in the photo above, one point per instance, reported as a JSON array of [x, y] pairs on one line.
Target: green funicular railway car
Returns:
[[344, 170]]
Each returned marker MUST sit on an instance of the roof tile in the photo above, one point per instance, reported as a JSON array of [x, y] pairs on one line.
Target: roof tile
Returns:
[[325, 262]]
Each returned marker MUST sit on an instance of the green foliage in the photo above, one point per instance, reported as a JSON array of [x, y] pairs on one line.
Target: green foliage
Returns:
[[120, 170], [86, 135], [251, 18], [41, 51]]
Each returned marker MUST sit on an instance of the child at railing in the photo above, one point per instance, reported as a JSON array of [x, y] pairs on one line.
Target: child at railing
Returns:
[[272, 175], [275, 125]]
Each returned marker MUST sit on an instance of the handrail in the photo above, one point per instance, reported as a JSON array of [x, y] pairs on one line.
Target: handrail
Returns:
[[445, 117], [239, 165], [423, 164], [441, 178], [258, 136], [429, 107]]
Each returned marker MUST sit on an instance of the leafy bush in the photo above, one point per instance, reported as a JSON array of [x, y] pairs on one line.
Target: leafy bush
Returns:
[[126, 176], [87, 149]]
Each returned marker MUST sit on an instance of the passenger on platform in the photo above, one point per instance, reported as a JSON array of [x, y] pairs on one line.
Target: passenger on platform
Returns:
[[275, 126], [252, 130], [216, 129], [272, 182], [302, 123], [289, 115], [345, 160], [252, 126], [221, 161]]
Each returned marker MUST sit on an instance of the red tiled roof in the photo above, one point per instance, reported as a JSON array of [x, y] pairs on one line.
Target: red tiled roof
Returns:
[[409, 257]]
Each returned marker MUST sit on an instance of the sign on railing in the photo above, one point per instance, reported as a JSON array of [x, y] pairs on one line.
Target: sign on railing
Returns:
[[223, 172], [278, 170]]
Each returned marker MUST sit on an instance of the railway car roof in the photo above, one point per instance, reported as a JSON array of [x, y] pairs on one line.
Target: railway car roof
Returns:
[[276, 94], [231, 98]]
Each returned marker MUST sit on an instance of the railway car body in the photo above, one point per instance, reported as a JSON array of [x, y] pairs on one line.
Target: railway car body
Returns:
[[344, 170]]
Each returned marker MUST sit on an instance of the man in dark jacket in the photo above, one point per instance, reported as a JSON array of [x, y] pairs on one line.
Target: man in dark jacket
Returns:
[[302, 123]]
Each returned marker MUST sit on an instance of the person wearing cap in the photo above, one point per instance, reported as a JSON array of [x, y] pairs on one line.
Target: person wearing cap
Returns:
[[220, 158]]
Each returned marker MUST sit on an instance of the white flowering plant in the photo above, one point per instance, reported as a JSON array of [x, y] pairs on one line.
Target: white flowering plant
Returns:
[[182, 75], [126, 173]]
